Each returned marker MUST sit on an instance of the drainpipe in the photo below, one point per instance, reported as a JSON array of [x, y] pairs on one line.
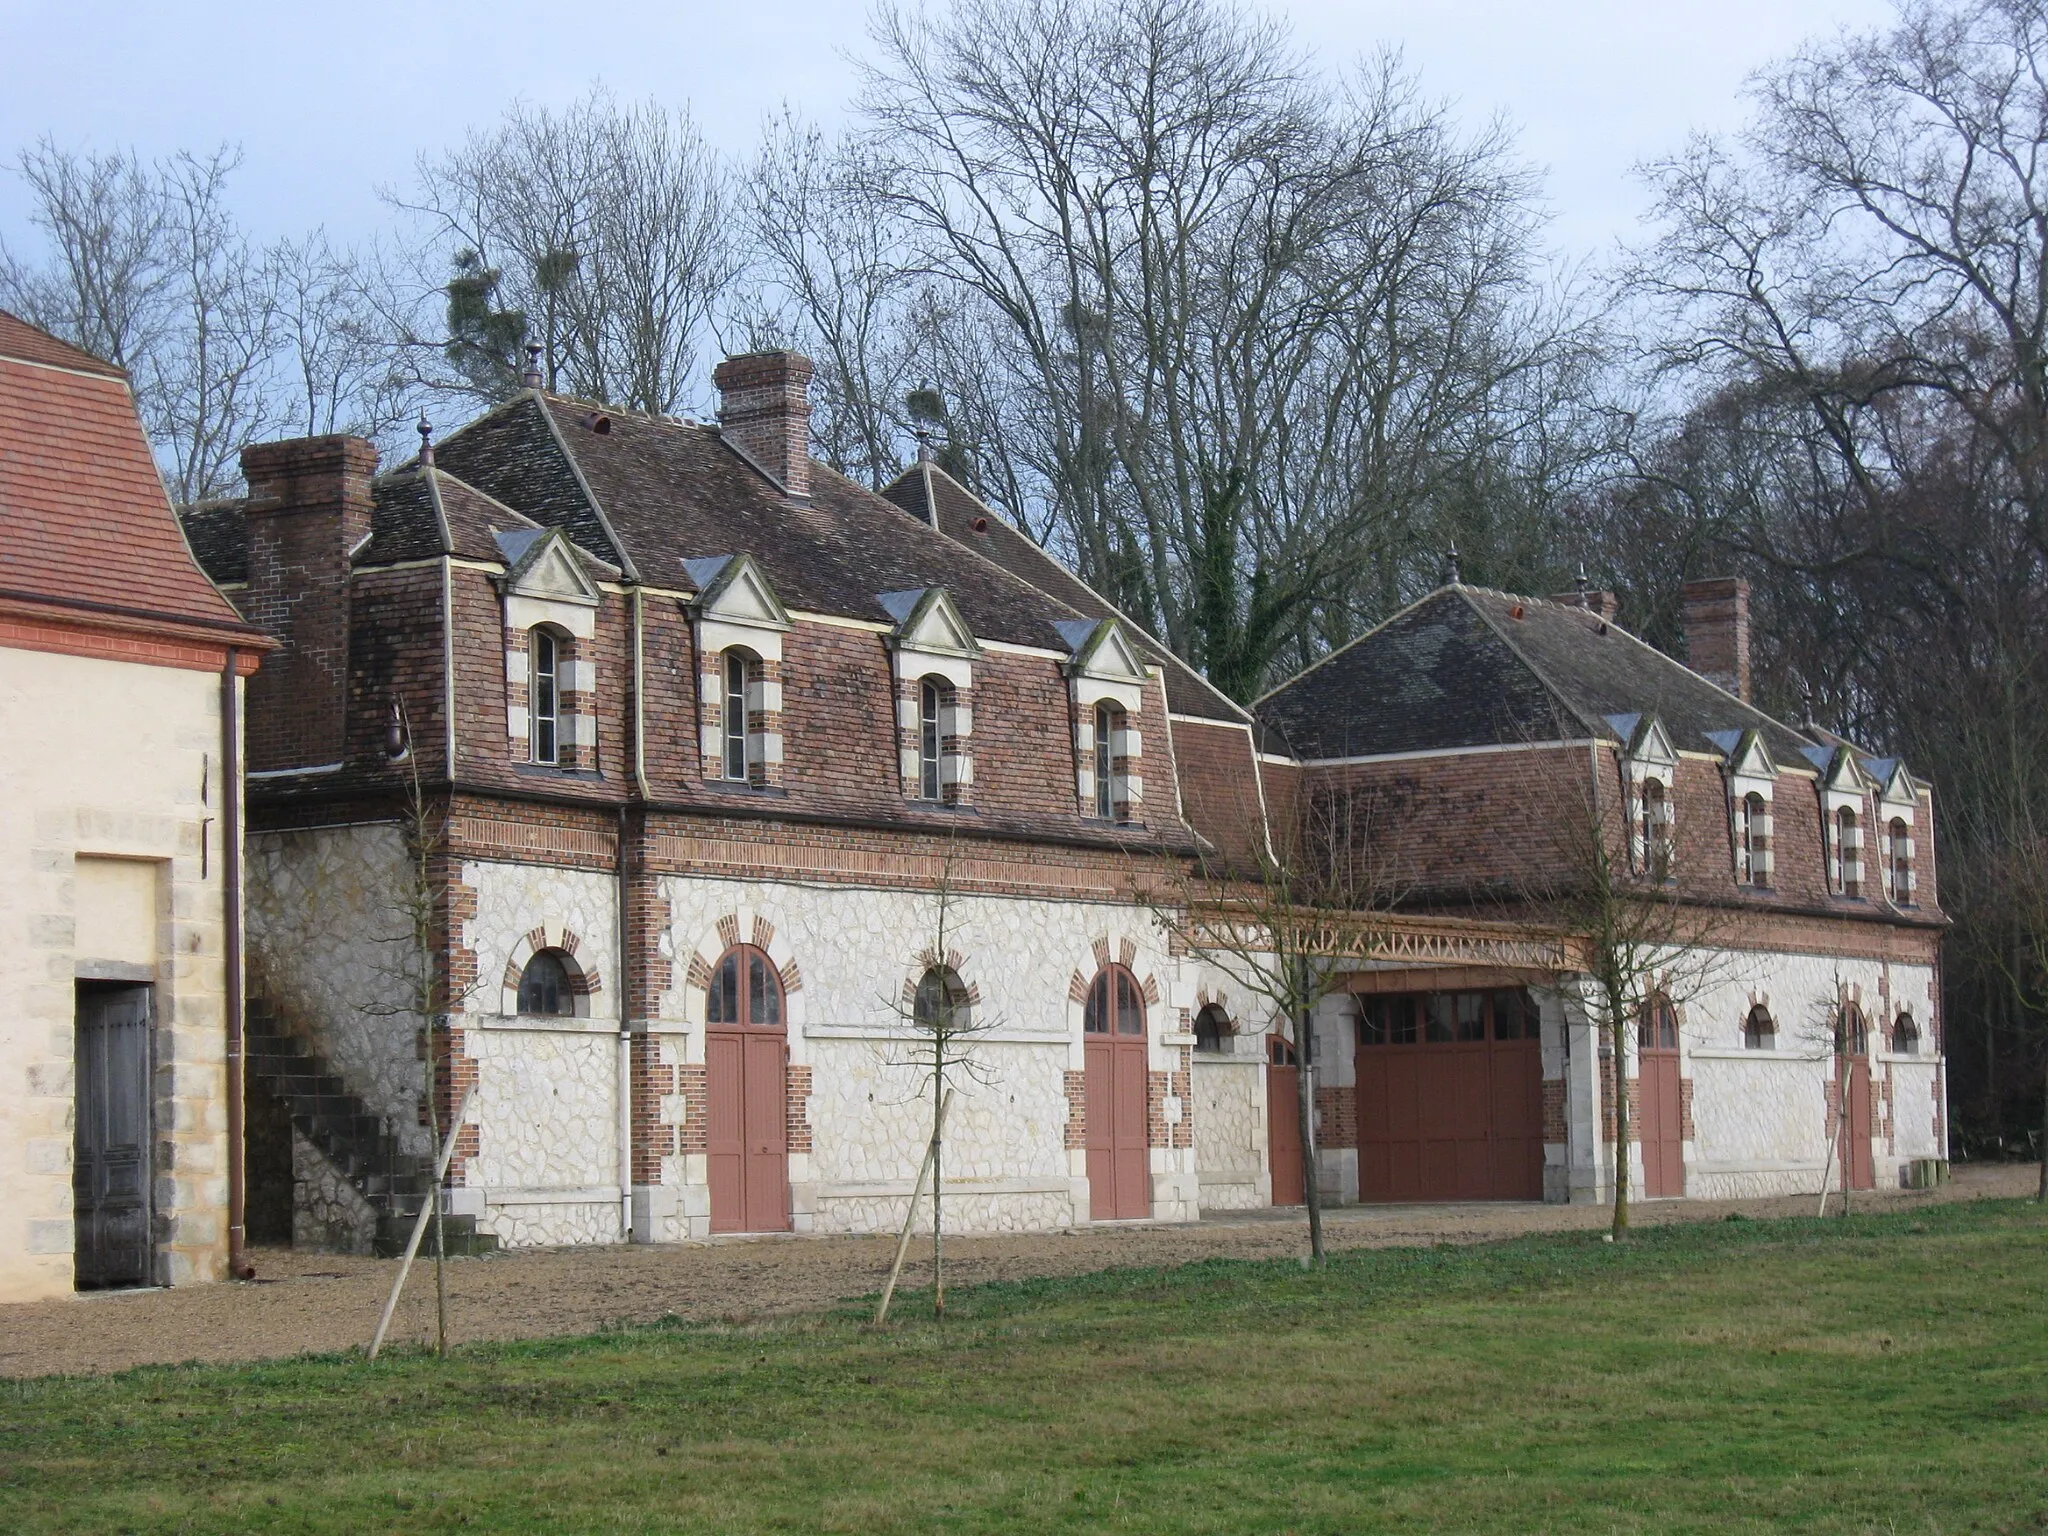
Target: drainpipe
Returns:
[[231, 952], [625, 1049]]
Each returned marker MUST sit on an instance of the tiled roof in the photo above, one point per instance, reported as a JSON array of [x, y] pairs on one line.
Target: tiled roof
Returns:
[[83, 513], [420, 514], [934, 497], [1468, 667], [661, 492]]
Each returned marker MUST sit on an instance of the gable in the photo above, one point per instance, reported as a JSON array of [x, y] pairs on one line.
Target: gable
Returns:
[[735, 590], [546, 567], [1102, 650], [928, 620]]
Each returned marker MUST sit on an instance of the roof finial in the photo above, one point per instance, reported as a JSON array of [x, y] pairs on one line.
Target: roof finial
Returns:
[[531, 379], [1585, 585], [924, 445], [1453, 573], [426, 432]]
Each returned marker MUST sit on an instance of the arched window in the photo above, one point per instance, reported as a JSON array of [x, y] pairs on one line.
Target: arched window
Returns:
[[1657, 1025], [1905, 1036], [1115, 1005], [1759, 1029], [1899, 860], [1108, 721], [942, 1005], [545, 987], [544, 697], [1753, 847], [1852, 1033], [744, 990], [931, 704], [1212, 1030], [739, 673], [1656, 829], [1848, 853]]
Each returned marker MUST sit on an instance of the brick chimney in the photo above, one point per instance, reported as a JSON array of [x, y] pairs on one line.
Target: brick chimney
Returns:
[[764, 406], [1603, 605], [1717, 631], [308, 507]]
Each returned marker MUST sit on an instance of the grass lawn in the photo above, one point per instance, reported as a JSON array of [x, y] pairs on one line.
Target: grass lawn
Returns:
[[1881, 1373]]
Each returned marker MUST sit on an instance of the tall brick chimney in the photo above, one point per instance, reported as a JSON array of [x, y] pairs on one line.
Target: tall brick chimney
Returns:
[[1717, 631], [308, 507], [764, 406]]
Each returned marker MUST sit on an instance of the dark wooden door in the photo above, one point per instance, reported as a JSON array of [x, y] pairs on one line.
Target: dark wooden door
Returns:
[[1119, 1156], [110, 1173], [746, 1080], [1283, 1121], [1450, 1092], [1661, 1114], [1855, 1077]]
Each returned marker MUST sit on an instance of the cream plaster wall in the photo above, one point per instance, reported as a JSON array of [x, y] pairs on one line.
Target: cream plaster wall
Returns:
[[115, 760]]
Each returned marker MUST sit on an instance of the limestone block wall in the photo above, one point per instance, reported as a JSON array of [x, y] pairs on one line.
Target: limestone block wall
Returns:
[[329, 1214], [327, 946], [846, 955], [1230, 1126], [113, 770], [544, 1164]]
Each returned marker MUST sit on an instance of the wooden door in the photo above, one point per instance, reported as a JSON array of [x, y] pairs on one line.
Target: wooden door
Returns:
[[1661, 1114], [110, 1172], [1450, 1091], [1114, 1056], [1855, 1080], [746, 1073], [1283, 1121]]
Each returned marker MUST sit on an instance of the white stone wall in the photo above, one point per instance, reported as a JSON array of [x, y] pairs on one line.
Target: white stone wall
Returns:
[[329, 1214], [328, 947], [547, 1167], [118, 761], [1230, 1127], [1760, 1116]]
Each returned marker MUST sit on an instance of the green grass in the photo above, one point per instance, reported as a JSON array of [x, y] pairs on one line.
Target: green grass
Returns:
[[1881, 1373]]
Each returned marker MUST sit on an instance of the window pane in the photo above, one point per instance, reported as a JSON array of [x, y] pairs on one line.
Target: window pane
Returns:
[[722, 1003], [1508, 1023], [1104, 724], [544, 986], [1471, 1015], [1372, 1021], [1401, 1013], [735, 717], [764, 991], [1437, 1018], [1095, 1020], [1130, 1010]]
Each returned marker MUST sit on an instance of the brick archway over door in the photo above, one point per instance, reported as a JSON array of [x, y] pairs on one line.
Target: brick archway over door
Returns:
[[1113, 1048], [746, 1071]]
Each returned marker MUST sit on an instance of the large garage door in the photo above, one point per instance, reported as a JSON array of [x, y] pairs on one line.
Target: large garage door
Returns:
[[1450, 1097]]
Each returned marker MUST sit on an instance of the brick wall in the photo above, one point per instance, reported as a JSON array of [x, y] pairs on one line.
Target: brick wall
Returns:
[[1337, 1116]]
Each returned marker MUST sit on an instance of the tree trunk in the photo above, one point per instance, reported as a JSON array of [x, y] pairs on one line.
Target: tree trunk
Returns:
[[2041, 1192], [1617, 1034], [1311, 1181], [938, 1183]]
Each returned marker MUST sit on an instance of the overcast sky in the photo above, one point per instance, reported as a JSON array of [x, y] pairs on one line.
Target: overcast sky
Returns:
[[331, 102]]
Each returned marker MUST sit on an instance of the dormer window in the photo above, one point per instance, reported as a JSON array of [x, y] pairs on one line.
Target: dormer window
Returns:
[[1654, 834], [1899, 862], [932, 657], [1108, 718], [543, 674], [930, 707], [738, 754], [1753, 840], [1107, 678], [1847, 861]]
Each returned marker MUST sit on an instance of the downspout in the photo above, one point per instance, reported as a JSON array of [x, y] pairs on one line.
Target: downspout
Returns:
[[231, 952], [625, 908]]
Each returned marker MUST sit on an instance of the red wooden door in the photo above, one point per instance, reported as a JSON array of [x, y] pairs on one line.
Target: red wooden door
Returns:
[[1450, 1090], [1283, 1122], [746, 1054], [1855, 1079], [1661, 1115], [1113, 1048]]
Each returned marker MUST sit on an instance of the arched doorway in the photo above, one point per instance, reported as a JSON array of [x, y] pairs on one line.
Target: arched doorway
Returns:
[[1662, 1114], [1113, 1048], [1283, 1121], [1852, 1075], [746, 1071]]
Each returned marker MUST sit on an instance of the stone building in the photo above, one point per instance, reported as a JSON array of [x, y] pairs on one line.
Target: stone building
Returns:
[[120, 681], [712, 739]]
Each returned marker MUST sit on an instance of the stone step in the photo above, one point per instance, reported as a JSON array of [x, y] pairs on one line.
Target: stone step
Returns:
[[459, 1235]]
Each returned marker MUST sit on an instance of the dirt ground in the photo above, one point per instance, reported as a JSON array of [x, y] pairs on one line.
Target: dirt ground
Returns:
[[304, 1302]]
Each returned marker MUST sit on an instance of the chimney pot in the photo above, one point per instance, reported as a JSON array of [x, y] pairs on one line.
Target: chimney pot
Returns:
[[1716, 615], [1602, 605], [764, 407]]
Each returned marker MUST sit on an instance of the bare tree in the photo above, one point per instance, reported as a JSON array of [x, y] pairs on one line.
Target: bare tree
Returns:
[[1298, 899], [941, 1027], [338, 369], [608, 232]]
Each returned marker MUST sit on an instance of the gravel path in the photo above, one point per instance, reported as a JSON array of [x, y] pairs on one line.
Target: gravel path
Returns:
[[303, 1302]]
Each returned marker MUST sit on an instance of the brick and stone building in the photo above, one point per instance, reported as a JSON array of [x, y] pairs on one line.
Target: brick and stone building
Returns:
[[705, 730], [121, 676]]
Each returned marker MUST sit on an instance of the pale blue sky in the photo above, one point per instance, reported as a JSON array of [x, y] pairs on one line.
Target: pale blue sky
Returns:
[[331, 102]]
